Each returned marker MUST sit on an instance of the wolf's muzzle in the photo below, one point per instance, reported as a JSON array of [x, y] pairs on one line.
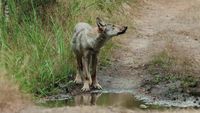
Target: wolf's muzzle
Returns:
[[123, 31]]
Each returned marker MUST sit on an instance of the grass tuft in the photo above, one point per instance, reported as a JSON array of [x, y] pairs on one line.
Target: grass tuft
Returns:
[[173, 65]]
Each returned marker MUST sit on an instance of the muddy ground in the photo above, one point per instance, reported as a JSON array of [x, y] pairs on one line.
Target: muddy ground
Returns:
[[155, 23]]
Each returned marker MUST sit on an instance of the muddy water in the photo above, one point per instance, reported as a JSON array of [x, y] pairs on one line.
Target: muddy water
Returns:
[[105, 99], [125, 100]]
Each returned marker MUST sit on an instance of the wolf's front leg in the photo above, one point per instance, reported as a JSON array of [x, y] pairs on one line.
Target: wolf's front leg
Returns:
[[87, 81], [78, 79], [95, 83]]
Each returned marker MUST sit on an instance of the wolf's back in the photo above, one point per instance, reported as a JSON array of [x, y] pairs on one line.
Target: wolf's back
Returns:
[[82, 26], [79, 37]]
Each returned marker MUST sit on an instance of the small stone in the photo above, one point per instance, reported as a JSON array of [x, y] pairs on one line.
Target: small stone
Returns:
[[143, 106], [174, 98], [182, 91], [154, 98]]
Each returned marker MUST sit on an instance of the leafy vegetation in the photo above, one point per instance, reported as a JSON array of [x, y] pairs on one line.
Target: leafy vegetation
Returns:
[[35, 42]]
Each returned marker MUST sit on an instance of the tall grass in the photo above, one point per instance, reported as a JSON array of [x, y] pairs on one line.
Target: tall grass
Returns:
[[35, 42]]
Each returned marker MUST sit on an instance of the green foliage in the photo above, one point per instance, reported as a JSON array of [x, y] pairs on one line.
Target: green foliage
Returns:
[[35, 43]]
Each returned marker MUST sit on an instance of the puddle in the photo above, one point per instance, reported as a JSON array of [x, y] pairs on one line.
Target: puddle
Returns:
[[123, 98], [105, 99]]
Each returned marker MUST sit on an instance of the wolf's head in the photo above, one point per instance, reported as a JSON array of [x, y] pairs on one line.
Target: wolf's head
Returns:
[[110, 30]]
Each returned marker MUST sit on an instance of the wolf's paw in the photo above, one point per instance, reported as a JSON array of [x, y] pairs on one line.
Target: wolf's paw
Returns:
[[90, 81], [78, 80], [85, 87], [97, 86]]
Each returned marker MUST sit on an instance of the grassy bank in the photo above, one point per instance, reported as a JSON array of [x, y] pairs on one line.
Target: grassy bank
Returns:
[[35, 42], [174, 66]]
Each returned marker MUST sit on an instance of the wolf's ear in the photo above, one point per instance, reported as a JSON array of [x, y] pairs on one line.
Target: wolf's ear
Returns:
[[100, 23]]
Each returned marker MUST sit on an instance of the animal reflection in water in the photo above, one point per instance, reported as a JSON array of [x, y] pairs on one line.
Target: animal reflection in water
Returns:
[[126, 100], [87, 99]]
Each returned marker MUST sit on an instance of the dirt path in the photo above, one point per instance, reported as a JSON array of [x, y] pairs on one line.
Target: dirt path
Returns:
[[157, 21], [11, 99]]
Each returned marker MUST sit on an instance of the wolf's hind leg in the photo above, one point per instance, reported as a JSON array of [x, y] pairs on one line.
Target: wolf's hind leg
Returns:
[[79, 73]]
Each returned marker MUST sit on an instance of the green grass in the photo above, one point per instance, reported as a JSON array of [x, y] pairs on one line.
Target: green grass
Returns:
[[35, 43], [169, 67]]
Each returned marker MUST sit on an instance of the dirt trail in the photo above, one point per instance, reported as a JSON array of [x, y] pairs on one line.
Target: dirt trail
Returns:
[[157, 21], [11, 100]]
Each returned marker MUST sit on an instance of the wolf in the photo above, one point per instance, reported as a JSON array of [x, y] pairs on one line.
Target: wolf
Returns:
[[86, 43]]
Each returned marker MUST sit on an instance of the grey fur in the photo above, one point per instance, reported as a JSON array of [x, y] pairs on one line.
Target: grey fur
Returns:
[[86, 44]]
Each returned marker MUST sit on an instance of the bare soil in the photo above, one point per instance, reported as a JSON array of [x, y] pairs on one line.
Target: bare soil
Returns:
[[156, 22], [11, 99]]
